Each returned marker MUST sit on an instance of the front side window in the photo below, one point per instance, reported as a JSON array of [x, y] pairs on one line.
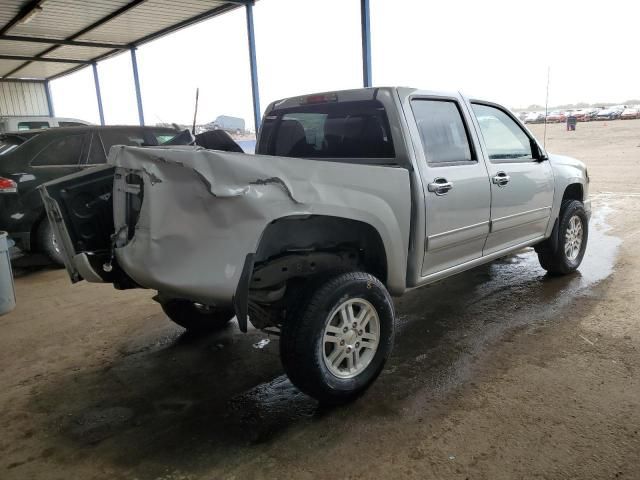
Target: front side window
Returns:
[[64, 151], [504, 138], [163, 136], [121, 137], [442, 131], [32, 125], [357, 129]]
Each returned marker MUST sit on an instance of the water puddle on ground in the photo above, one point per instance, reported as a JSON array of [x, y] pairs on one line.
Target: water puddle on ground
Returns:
[[443, 328]]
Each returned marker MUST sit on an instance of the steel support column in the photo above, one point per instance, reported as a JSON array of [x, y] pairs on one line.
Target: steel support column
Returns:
[[47, 91], [255, 89], [136, 82], [365, 23], [96, 80]]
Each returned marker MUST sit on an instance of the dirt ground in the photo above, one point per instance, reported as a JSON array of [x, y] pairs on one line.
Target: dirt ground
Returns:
[[498, 373]]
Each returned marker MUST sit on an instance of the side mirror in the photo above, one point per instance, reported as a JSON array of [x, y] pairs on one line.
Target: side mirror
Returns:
[[537, 152]]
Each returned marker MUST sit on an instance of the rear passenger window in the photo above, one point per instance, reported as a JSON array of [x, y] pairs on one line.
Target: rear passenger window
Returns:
[[442, 131], [71, 124], [63, 151], [96, 152]]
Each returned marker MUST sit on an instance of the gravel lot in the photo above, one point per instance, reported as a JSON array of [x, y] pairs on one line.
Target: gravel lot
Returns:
[[499, 373]]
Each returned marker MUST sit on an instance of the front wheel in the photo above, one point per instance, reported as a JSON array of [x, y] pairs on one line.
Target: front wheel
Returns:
[[337, 343], [573, 231], [195, 317]]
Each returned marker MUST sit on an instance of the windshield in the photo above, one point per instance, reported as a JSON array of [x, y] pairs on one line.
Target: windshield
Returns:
[[9, 143], [328, 130]]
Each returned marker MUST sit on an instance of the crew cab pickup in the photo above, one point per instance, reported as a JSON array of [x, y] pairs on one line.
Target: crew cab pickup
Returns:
[[352, 197]]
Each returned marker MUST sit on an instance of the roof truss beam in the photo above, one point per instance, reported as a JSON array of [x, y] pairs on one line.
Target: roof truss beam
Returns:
[[54, 41], [102, 21], [43, 59]]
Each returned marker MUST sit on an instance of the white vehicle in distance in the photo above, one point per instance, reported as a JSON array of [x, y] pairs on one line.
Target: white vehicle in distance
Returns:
[[534, 117], [15, 124]]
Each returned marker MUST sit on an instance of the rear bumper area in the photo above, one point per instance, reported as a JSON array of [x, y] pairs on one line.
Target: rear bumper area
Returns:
[[190, 239]]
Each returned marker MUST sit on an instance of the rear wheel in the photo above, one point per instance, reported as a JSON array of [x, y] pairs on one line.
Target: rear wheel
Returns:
[[47, 243], [338, 341], [573, 231], [196, 317]]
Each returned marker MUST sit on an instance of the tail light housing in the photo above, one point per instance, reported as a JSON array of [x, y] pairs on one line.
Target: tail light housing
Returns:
[[8, 186]]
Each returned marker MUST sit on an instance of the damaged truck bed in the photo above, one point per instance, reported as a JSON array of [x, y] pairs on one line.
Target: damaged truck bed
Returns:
[[352, 196]]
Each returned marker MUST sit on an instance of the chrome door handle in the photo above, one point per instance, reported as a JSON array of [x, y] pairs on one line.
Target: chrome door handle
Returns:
[[440, 186], [501, 179]]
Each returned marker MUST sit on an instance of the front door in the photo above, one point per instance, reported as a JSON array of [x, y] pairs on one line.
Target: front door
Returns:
[[522, 185], [457, 196]]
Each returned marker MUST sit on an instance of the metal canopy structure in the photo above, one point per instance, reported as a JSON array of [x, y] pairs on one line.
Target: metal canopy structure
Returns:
[[41, 40]]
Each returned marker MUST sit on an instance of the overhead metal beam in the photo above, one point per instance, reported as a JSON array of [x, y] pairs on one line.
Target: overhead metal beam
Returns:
[[23, 13], [229, 5], [255, 87], [20, 80], [47, 91], [55, 41], [43, 59], [102, 21], [136, 83], [96, 81], [365, 23]]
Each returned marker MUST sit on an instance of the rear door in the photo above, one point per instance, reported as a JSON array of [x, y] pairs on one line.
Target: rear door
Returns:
[[522, 184], [457, 196]]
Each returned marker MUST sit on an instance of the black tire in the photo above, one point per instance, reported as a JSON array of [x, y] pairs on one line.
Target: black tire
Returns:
[[302, 346], [196, 318], [47, 244], [553, 254]]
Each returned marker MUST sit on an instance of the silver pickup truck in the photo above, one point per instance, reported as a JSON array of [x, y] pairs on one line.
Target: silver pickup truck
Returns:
[[352, 197]]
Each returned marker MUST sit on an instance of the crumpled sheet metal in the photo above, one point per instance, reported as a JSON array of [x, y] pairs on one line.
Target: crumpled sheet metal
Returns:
[[203, 211]]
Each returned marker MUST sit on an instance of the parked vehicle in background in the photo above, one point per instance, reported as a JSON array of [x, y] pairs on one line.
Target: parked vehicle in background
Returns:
[[351, 197], [534, 117], [228, 124], [32, 157], [585, 114], [612, 113], [556, 116], [15, 124], [630, 113]]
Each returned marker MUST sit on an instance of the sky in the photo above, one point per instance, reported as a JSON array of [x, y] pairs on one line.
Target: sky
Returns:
[[499, 50]]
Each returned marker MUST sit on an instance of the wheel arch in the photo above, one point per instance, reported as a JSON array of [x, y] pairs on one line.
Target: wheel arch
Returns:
[[573, 191], [322, 233]]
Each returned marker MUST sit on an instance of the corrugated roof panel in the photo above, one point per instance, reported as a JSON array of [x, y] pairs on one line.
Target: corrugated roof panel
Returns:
[[148, 18], [42, 69], [62, 18], [7, 65], [8, 47], [10, 8], [76, 53]]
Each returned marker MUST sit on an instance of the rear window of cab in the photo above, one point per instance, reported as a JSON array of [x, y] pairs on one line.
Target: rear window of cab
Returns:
[[328, 130]]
